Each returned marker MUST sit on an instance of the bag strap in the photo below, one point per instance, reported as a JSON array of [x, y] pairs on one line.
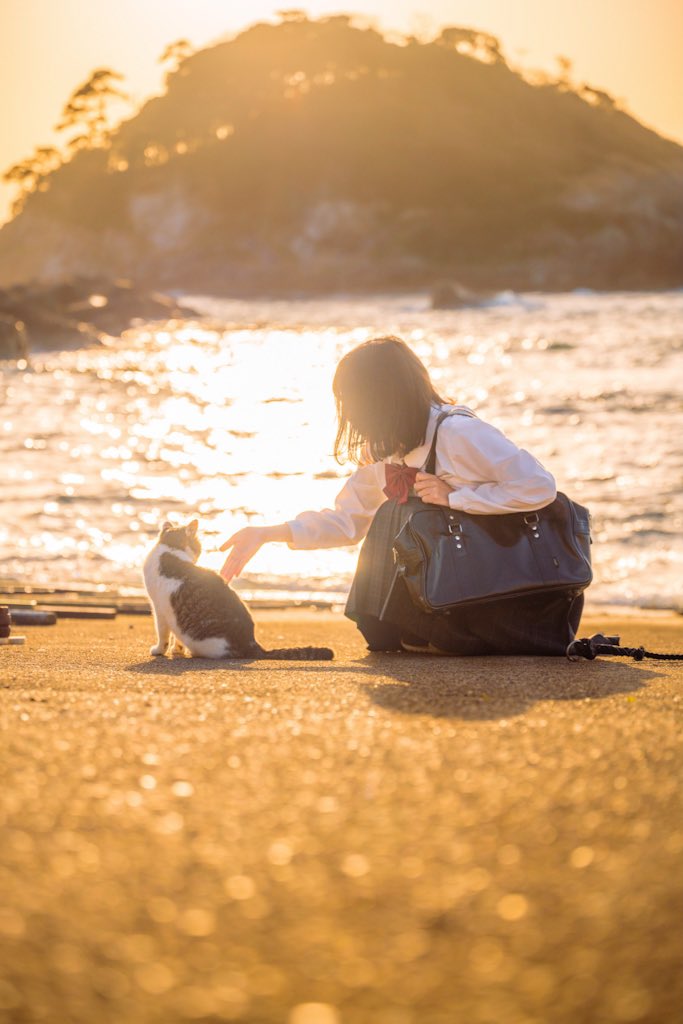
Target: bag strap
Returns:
[[591, 647], [430, 464]]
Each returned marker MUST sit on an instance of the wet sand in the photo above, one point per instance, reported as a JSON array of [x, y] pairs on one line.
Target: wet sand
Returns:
[[376, 840]]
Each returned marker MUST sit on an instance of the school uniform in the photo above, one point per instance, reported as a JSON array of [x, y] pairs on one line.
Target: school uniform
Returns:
[[488, 475]]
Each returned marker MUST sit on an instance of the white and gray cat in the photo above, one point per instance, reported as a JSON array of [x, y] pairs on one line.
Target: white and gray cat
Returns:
[[198, 608]]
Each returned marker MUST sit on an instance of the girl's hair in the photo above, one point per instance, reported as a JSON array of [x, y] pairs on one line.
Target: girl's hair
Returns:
[[383, 395]]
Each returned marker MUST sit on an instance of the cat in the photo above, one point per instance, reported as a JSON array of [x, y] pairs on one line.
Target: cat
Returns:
[[199, 609]]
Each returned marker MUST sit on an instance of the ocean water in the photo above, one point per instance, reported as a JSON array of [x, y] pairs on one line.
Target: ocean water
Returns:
[[230, 418]]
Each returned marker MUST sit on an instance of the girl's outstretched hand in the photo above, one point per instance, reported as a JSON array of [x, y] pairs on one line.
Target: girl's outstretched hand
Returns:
[[432, 489], [245, 543]]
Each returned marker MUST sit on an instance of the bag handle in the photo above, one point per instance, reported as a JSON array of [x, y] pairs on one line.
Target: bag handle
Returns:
[[430, 464]]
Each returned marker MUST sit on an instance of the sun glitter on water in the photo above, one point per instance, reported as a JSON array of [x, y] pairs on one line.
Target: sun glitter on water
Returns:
[[231, 419], [235, 426]]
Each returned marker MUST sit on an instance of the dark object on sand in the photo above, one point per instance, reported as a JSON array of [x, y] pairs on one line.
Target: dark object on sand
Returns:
[[78, 612], [6, 638], [590, 647], [133, 607], [64, 595], [33, 617], [453, 295], [5, 622], [124, 606]]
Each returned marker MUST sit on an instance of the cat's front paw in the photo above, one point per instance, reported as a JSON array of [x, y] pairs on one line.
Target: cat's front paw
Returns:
[[157, 650]]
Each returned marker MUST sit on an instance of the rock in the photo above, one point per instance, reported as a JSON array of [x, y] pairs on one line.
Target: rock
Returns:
[[13, 340], [453, 295], [76, 312]]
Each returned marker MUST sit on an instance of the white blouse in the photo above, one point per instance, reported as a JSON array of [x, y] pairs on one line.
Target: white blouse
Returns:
[[487, 473]]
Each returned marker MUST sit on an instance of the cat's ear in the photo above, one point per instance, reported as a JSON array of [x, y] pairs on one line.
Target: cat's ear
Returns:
[[193, 526], [166, 526]]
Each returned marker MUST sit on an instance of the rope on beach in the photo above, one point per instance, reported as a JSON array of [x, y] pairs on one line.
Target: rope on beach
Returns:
[[591, 647]]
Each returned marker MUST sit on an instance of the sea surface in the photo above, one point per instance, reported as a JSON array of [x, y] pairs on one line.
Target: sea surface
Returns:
[[230, 418]]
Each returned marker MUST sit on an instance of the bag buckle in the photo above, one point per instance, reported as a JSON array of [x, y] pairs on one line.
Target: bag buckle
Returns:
[[532, 519], [455, 530]]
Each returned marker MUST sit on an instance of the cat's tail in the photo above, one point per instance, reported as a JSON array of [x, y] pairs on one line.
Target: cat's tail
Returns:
[[298, 654]]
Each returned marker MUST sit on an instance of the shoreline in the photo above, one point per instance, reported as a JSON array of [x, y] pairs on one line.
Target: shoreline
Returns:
[[630, 622], [134, 598]]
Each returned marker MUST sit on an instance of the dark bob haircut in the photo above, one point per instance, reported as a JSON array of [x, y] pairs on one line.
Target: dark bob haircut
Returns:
[[383, 395]]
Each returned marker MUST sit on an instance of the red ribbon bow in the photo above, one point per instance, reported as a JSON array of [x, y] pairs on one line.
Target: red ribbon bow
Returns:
[[400, 480]]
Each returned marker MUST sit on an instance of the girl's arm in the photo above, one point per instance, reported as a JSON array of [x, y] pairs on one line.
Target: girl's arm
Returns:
[[346, 523], [493, 474], [349, 520]]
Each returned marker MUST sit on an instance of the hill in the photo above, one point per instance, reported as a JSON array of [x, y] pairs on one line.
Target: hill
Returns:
[[316, 155]]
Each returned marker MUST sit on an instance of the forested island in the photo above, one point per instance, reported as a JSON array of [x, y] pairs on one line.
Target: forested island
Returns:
[[318, 155]]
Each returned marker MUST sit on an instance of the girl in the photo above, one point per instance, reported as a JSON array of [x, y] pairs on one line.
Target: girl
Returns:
[[387, 409]]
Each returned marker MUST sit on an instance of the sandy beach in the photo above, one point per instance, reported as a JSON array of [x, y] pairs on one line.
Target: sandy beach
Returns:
[[379, 840]]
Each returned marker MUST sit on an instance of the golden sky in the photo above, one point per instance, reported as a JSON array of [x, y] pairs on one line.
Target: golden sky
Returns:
[[631, 48]]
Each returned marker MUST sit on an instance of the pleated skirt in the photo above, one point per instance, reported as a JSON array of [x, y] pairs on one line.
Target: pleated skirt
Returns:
[[541, 624]]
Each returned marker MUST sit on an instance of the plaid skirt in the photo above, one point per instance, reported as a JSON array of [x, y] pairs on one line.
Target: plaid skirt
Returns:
[[542, 624]]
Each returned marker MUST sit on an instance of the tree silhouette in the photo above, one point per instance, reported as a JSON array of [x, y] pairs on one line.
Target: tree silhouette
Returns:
[[293, 15], [472, 43], [565, 66], [598, 97], [176, 53], [86, 109], [354, 161], [31, 174]]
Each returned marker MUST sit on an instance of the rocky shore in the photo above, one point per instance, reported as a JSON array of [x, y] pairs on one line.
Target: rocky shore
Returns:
[[77, 311]]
